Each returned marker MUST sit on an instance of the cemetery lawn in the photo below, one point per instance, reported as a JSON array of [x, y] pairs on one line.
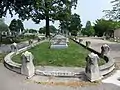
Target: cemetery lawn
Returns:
[[74, 55]]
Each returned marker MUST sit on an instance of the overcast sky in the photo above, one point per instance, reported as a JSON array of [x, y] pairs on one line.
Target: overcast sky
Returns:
[[87, 9]]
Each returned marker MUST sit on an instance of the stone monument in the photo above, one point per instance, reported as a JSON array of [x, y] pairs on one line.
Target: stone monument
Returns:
[[92, 68], [27, 67], [59, 42], [105, 50]]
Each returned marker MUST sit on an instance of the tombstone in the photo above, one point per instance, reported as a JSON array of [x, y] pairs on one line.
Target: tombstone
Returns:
[[27, 67], [14, 47], [92, 68], [105, 50], [58, 42]]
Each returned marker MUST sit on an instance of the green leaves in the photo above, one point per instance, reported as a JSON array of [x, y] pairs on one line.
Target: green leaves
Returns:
[[88, 30], [103, 26], [16, 26], [114, 13]]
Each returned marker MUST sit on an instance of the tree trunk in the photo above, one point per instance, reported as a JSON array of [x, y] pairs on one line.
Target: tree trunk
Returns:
[[47, 27], [47, 20]]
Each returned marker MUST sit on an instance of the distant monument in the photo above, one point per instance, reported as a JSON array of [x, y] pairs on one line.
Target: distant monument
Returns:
[[27, 67], [59, 42], [92, 68]]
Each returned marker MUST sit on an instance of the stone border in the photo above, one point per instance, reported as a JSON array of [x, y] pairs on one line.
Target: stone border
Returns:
[[15, 66], [105, 69]]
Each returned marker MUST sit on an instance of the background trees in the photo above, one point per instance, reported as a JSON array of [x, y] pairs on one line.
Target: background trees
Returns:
[[105, 27], [48, 10], [73, 24], [114, 13], [88, 30], [52, 29], [51, 10], [16, 27]]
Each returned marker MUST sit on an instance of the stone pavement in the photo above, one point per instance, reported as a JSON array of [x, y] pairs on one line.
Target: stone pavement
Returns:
[[12, 81]]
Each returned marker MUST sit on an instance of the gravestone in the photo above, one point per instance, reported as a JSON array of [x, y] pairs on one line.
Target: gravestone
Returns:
[[105, 50], [59, 42], [92, 68], [27, 67]]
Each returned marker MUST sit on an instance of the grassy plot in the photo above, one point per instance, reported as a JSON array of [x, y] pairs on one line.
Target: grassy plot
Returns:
[[74, 55]]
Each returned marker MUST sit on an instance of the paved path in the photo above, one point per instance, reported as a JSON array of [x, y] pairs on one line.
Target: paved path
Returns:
[[12, 81]]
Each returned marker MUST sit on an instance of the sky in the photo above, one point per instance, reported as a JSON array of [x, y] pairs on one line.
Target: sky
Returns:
[[89, 10]]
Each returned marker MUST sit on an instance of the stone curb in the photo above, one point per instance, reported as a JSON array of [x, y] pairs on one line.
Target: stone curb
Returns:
[[108, 67]]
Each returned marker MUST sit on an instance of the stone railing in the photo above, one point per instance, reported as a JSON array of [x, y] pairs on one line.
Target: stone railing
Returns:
[[108, 67], [104, 69], [15, 66]]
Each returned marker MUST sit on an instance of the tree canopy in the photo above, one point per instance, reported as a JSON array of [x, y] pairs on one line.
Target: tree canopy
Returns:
[[52, 29], [114, 13], [88, 30], [106, 27], [38, 9], [73, 24]]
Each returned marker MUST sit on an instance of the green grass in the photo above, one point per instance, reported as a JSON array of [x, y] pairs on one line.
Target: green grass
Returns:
[[74, 55]]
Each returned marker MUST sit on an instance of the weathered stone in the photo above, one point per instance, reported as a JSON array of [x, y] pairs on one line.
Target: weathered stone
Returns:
[[59, 42], [92, 68], [27, 67], [14, 47], [105, 50]]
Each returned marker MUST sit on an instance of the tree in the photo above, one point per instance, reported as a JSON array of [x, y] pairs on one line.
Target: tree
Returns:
[[38, 9], [16, 26], [52, 29], [51, 10], [88, 30], [3, 28], [75, 24], [114, 13], [72, 24], [21, 7], [105, 27]]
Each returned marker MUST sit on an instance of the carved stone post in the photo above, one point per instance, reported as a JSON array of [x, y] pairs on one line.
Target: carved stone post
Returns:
[[105, 50], [14, 47], [27, 67], [92, 68]]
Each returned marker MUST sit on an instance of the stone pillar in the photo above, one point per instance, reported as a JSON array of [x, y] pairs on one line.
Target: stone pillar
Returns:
[[105, 50], [14, 47], [27, 67], [92, 68]]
